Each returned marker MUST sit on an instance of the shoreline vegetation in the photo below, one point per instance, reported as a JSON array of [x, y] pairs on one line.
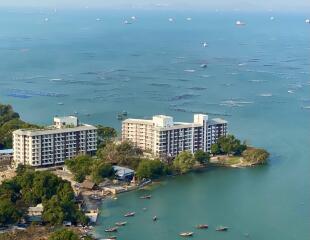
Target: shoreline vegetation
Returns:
[[29, 187]]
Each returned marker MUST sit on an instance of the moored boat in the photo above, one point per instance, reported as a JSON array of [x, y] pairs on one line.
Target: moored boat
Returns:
[[129, 214], [202, 226], [112, 229], [146, 197], [155, 218], [221, 229], [119, 224], [186, 234]]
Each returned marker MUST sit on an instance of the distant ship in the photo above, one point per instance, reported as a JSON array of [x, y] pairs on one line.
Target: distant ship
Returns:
[[240, 23], [133, 17], [170, 19], [272, 18], [205, 44], [307, 20], [189, 19], [127, 22]]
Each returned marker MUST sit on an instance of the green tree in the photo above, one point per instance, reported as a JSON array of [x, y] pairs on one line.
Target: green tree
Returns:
[[105, 134], [151, 169], [8, 212], [215, 149], [184, 162], [256, 155], [53, 212], [80, 166], [64, 234], [100, 171], [202, 157]]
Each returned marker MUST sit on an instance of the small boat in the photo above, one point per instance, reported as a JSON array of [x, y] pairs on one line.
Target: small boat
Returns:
[[95, 197], [204, 65], [186, 234], [113, 229], [202, 226], [120, 224], [221, 229], [60, 103], [109, 238], [133, 18], [127, 22], [129, 214], [239, 23], [144, 209], [170, 19], [146, 197], [189, 19], [271, 18], [124, 113], [205, 44], [155, 218], [307, 21]]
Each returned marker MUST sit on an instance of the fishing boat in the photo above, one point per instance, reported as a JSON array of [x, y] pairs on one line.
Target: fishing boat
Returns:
[[112, 229], [221, 229], [204, 65], [186, 234], [109, 238], [155, 218], [129, 214], [239, 23], [202, 226], [119, 224], [146, 197]]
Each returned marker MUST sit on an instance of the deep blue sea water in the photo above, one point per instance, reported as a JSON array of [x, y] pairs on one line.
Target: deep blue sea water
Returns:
[[258, 78]]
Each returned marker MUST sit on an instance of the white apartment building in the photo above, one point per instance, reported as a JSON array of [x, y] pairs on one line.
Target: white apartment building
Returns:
[[53, 145], [163, 137]]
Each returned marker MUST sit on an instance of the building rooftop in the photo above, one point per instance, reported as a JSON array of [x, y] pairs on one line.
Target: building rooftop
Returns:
[[218, 121], [53, 130], [6, 151]]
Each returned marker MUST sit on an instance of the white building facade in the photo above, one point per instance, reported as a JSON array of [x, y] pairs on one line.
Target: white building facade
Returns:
[[53, 145], [165, 138]]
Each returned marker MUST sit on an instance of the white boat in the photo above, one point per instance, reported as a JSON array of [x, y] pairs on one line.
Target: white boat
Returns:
[[133, 18], [189, 19], [186, 234], [307, 20], [272, 18], [98, 19], [205, 44], [170, 19], [290, 91], [46, 19], [127, 22], [240, 23]]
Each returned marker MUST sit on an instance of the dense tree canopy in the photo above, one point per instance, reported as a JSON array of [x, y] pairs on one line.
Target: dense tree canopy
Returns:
[[31, 187], [80, 166], [184, 162], [202, 157], [255, 155], [105, 134], [124, 154], [228, 145], [64, 234], [9, 122], [152, 169], [101, 170]]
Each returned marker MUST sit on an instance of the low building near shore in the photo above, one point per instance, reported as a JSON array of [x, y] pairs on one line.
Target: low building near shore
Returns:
[[6, 158], [35, 213], [123, 173]]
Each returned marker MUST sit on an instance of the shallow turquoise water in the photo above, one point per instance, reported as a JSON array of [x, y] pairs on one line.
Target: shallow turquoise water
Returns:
[[99, 68]]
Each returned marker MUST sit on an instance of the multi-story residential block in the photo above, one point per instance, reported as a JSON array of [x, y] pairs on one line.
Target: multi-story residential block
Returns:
[[164, 138], [53, 145]]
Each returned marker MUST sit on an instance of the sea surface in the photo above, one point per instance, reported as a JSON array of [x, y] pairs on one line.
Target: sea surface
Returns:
[[89, 63]]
